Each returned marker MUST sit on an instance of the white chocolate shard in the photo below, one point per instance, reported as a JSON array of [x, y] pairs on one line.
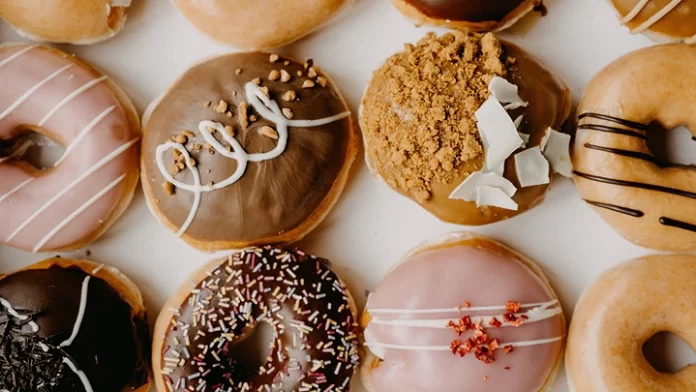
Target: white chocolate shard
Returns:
[[507, 93], [494, 197], [532, 168], [468, 188], [498, 133], [557, 152]]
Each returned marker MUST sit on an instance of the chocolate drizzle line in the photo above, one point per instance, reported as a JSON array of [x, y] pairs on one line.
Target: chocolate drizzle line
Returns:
[[635, 154], [615, 208], [632, 184], [615, 130], [678, 224], [620, 121]]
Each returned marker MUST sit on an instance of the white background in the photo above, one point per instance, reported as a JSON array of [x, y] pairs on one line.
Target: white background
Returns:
[[371, 226]]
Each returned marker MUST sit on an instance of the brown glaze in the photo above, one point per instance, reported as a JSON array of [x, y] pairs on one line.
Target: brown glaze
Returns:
[[466, 10], [549, 106], [680, 23], [272, 197]]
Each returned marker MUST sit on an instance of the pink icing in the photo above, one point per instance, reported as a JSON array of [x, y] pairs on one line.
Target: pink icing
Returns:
[[447, 278], [16, 78]]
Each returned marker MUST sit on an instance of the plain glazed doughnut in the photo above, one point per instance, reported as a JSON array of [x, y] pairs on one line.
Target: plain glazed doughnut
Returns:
[[661, 20], [315, 340], [247, 149], [55, 94], [468, 15], [615, 317], [72, 325], [79, 22], [462, 314], [260, 24], [649, 202]]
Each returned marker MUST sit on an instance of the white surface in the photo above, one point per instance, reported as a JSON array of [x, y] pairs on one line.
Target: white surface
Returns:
[[371, 226]]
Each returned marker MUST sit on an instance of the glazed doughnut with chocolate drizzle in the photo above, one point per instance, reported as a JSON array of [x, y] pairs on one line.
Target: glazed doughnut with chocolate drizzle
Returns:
[[247, 149], [662, 20], [314, 345], [72, 325]]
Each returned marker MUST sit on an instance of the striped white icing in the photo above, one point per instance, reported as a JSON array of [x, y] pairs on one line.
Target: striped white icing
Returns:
[[266, 108], [403, 347], [71, 202], [659, 15]]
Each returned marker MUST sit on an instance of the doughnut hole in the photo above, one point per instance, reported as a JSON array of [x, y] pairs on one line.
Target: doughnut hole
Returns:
[[675, 146], [668, 353], [31, 148], [256, 346]]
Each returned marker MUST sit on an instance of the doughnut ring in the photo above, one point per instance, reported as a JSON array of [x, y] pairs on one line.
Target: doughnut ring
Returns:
[[625, 308], [312, 314], [648, 201], [65, 207]]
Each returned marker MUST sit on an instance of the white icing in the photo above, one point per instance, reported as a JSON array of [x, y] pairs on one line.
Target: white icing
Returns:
[[467, 189], [267, 109], [653, 19], [460, 309], [12, 312], [43, 347], [70, 97], [532, 168], [506, 92], [67, 189], [80, 313], [495, 197], [79, 373], [498, 132], [635, 11], [525, 343], [32, 90], [77, 212], [121, 3], [15, 189], [16, 55], [83, 134], [557, 152]]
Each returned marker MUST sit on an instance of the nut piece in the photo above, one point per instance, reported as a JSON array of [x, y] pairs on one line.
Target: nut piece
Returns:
[[181, 139], [287, 112], [243, 115], [168, 188], [256, 81], [238, 71], [274, 75], [193, 162], [229, 130], [312, 73], [207, 104], [322, 81], [265, 92], [285, 76], [308, 84], [273, 58], [289, 95], [269, 132], [221, 107]]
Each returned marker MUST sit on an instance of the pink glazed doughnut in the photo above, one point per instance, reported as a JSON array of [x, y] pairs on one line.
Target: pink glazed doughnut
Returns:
[[463, 314], [67, 206]]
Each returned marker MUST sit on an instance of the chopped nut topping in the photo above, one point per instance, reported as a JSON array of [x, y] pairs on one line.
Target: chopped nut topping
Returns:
[[273, 58], [211, 183], [508, 349], [299, 73], [174, 169], [207, 104], [256, 81], [243, 115], [181, 165], [189, 134], [289, 95], [308, 64], [285, 76], [513, 307], [287, 112], [286, 63], [274, 75], [181, 139], [176, 153], [197, 147], [192, 162], [229, 130], [269, 132], [265, 92], [322, 81], [495, 323], [168, 188], [221, 107], [229, 114], [312, 73], [238, 72], [208, 146], [308, 84]]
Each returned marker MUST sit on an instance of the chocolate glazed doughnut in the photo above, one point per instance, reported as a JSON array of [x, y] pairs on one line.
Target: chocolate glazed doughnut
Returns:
[[247, 149], [312, 314], [469, 15], [72, 325]]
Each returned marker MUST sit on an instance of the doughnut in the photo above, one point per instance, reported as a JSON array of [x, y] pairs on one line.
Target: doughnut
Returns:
[[619, 313], [419, 122], [72, 325], [79, 22], [260, 24], [247, 149], [200, 334], [650, 202], [660, 20], [468, 15], [462, 314], [54, 94]]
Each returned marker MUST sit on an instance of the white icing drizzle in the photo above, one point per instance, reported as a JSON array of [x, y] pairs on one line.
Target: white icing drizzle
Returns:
[[70, 97], [67, 189], [8, 306], [525, 343], [32, 90], [15, 190], [458, 309], [653, 19], [83, 134], [266, 108], [96, 270], [43, 347], [16, 55], [79, 373], [77, 212], [536, 314], [80, 313]]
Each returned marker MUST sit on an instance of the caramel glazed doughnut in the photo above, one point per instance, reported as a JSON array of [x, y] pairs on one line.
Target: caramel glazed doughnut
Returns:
[[462, 314], [72, 326], [247, 149], [437, 121], [79, 22], [314, 345], [73, 203], [469, 15], [661, 20], [260, 24], [649, 202], [615, 317]]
